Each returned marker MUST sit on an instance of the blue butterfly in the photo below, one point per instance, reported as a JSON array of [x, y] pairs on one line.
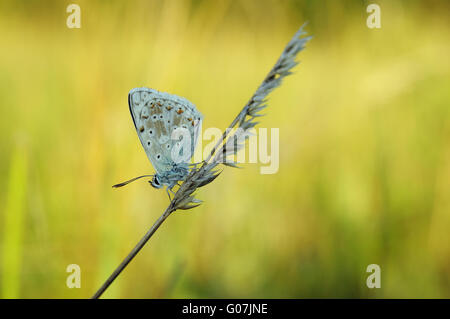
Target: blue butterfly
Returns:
[[168, 127]]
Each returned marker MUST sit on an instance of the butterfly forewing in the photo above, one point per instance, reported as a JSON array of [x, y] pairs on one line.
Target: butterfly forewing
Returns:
[[156, 115]]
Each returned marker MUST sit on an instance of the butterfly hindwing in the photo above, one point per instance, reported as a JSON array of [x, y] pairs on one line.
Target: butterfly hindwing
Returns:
[[156, 115]]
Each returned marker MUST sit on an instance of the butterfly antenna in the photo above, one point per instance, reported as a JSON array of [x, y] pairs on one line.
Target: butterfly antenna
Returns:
[[131, 180]]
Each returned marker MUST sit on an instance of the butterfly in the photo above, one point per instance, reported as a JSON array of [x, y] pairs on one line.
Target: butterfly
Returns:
[[168, 127]]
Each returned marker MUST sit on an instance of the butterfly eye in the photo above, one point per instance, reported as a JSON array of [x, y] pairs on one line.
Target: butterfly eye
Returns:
[[155, 182], [154, 117], [160, 116]]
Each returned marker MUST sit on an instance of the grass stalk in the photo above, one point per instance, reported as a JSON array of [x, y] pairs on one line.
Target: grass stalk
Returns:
[[200, 176]]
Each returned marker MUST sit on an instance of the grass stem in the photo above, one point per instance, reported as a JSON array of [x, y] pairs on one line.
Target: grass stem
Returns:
[[133, 253]]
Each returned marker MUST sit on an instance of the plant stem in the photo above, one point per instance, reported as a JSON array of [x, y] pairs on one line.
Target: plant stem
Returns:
[[183, 198], [134, 252]]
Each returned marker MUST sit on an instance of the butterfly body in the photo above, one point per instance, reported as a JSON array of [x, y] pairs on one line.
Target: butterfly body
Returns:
[[168, 127]]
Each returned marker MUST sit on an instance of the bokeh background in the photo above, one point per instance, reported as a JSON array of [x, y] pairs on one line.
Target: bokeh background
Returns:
[[364, 171]]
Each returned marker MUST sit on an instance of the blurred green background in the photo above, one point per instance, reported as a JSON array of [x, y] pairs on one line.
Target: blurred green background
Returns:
[[364, 171]]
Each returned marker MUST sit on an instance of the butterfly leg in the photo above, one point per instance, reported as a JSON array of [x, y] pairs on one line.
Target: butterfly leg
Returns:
[[168, 194], [169, 190]]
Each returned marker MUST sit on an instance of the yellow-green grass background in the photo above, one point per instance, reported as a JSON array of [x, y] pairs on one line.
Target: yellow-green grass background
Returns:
[[364, 172]]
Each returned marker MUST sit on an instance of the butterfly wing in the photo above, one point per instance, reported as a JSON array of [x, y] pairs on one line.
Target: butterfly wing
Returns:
[[156, 115]]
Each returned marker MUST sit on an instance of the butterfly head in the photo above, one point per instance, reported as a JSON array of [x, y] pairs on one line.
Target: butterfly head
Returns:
[[156, 182]]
